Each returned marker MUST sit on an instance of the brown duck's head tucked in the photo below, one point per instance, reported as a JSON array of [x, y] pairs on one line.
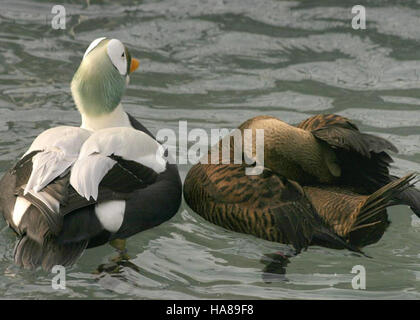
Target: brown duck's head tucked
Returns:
[[292, 152]]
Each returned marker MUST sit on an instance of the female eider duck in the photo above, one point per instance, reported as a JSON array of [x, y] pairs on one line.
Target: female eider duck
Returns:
[[81, 187], [324, 183]]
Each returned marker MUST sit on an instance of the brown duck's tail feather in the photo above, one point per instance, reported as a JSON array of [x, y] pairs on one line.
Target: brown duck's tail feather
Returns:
[[326, 237], [385, 197], [410, 197], [30, 254]]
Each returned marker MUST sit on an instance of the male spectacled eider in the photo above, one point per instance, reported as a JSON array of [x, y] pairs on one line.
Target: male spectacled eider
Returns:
[[81, 187], [324, 183]]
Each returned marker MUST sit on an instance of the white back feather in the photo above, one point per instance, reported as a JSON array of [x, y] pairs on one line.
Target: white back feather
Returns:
[[127, 143], [59, 148], [93, 162], [88, 172]]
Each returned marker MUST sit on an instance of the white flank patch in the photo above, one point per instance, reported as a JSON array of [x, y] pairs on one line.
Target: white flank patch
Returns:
[[21, 205], [111, 214]]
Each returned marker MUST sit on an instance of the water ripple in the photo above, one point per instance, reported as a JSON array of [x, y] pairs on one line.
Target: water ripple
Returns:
[[216, 63]]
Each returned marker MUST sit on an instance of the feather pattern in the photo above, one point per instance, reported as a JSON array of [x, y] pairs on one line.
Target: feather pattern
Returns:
[[352, 146], [267, 206], [119, 141], [59, 148], [95, 158], [340, 132], [88, 172]]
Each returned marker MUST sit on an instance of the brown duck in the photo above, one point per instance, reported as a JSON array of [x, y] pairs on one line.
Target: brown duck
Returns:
[[324, 183]]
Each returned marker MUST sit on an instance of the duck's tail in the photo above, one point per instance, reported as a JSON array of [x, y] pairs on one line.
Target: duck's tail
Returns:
[[378, 201], [409, 197], [356, 219], [30, 254], [328, 238]]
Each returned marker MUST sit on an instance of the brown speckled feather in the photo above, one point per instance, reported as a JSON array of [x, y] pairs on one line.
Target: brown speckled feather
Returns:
[[267, 206], [326, 120], [360, 219]]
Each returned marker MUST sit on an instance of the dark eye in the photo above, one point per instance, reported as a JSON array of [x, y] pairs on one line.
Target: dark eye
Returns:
[[123, 54]]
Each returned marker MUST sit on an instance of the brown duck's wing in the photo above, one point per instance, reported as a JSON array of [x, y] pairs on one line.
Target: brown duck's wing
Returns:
[[267, 206], [326, 120], [362, 157], [340, 132]]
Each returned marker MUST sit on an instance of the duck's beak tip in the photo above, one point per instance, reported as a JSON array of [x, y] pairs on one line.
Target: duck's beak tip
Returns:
[[134, 64]]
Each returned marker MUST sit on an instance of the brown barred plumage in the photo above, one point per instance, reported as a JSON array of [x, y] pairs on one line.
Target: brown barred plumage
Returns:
[[334, 206]]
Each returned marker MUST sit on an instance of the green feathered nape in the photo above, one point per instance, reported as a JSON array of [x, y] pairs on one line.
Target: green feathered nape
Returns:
[[97, 86]]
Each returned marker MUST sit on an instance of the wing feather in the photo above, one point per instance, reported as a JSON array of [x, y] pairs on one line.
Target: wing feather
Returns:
[[132, 150], [362, 157], [59, 148]]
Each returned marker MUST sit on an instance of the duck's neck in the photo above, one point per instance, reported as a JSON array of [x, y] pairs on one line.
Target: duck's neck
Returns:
[[117, 118]]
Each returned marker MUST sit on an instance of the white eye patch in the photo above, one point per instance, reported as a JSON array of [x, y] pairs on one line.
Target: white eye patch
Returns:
[[116, 53], [93, 45]]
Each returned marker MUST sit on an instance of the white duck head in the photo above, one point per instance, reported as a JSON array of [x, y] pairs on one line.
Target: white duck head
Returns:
[[100, 81]]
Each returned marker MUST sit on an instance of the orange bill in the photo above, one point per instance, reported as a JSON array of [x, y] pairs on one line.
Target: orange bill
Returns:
[[134, 64]]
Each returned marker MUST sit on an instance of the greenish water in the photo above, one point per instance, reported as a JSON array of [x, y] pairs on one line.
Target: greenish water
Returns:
[[215, 64]]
